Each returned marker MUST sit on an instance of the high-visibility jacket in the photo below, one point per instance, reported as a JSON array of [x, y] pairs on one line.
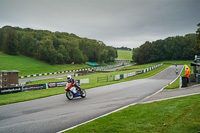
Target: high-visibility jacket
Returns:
[[187, 73]]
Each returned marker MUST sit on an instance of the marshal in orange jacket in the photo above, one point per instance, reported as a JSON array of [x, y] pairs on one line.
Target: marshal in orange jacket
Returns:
[[187, 73]]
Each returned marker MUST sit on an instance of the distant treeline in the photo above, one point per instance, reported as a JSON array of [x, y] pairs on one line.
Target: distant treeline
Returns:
[[171, 48], [53, 47], [124, 48]]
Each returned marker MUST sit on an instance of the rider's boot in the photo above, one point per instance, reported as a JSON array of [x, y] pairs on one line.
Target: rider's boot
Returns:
[[80, 90]]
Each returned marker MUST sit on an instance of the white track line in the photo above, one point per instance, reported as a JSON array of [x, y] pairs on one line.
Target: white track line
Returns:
[[116, 109], [171, 98], [97, 118]]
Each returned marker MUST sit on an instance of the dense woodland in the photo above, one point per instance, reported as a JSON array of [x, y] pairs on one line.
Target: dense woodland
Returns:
[[171, 48], [53, 47]]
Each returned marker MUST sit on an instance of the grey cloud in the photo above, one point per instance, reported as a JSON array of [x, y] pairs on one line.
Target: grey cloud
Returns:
[[115, 22]]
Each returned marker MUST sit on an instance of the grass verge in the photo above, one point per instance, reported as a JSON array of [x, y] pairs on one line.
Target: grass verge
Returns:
[[169, 116], [30, 66]]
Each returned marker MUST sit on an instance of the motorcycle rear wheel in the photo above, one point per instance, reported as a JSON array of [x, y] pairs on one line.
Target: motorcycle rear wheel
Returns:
[[69, 95]]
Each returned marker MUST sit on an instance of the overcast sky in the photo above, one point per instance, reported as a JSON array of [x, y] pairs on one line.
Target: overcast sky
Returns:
[[117, 23]]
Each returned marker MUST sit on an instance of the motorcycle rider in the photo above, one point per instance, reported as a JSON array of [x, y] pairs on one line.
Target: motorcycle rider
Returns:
[[73, 82], [176, 71]]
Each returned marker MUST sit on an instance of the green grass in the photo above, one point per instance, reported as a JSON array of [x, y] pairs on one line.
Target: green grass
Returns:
[[180, 115], [30, 66], [24, 96], [124, 55]]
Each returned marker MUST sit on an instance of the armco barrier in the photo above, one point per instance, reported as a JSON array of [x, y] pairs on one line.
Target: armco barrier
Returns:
[[121, 76], [125, 75], [34, 75], [131, 74]]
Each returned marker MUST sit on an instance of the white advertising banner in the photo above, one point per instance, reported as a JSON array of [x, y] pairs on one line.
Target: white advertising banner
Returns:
[[117, 77]]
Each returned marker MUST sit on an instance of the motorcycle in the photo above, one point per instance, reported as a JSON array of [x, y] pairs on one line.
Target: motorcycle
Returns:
[[72, 91], [176, 71]]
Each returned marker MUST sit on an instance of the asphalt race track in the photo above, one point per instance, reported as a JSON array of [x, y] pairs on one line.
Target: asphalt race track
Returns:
[[56, 113]]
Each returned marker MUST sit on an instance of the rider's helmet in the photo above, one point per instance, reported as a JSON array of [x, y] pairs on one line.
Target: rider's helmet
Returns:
[[69, 77]]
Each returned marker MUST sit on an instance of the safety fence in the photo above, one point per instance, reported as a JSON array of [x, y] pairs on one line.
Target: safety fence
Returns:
[[37, 86], [126, 75], [72, 71], [61, 72]]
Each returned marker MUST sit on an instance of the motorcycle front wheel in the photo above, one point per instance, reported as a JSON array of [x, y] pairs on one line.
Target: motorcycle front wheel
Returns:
[[83, 95], [69, 95]]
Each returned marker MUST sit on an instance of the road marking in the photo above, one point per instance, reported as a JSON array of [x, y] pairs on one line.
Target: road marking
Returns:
[[170, 98], [97, 118]]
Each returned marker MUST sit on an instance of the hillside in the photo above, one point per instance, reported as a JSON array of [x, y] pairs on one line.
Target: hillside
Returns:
[[53, 47], [27, 65], [124, 55]]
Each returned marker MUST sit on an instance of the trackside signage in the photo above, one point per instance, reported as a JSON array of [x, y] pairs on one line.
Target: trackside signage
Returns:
[[60, 84], [10, 90], [57, 84], [37, 87], [34, 87]]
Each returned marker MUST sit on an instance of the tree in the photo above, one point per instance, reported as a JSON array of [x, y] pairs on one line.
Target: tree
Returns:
[[144, 53], [197, 44], [135, 55], [49, 53], [111, 53], [103, 56], [10, 42], [28, 45], [64, 55], [77, 56]]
